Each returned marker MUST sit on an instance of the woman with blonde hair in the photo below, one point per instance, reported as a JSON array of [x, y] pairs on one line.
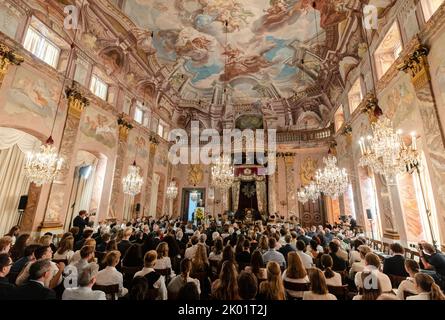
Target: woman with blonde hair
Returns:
[[319, 289], [272, 288], [65, 250], [201, 268], [295, 273], [226, 287], [163, 261], [409, 284], [110, 275], [427, 289]]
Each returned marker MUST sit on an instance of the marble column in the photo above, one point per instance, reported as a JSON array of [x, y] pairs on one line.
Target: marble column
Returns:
[[149, 177], [57, 205], [117, 206], [417, 67], [290, 185], [7, 57], [272, 193]]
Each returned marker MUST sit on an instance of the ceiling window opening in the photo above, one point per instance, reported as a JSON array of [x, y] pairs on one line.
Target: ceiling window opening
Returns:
[[41, 47], [99, 87], [429, 7], [388, 51]]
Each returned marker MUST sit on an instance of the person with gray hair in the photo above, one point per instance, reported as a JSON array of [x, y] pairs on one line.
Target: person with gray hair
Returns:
[[34, 289], [86, 280]]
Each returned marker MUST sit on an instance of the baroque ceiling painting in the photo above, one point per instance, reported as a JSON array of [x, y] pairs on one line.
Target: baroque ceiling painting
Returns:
[[245, 43]]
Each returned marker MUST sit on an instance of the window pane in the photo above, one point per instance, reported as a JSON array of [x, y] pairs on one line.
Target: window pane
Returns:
[[430, 7], [138, 115], [98, 87], [41, 47], [388, 51]]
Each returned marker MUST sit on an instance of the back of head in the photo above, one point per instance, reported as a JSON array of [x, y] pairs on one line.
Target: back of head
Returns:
[[139, 288], [29, 250], [397, 248], [39, 268], [318, 281], [87, 233], [295, 268], [300, 245], [88, 274], [371, 290], [194, 240], [371, 259], [186, 266], [5, 242], [112, 258], [86, 251], [327, 263], [412, 265], [247, 285], [127, 232], [150, 258], [272, 242], [333, 246], [188, 292]]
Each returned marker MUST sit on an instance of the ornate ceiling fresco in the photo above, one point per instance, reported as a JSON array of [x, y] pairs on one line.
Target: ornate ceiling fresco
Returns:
[[249, 44], [263, 42]]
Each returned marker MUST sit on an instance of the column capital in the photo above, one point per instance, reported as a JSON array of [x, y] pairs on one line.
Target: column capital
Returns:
[[76, 101], [416, 65], [8, 57], [124, 127]]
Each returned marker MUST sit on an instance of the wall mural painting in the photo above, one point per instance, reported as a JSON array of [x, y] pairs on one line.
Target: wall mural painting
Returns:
[[31, 94], [440, 76], [139, 146], [162, 156], [307, 171], [99, 127], [256, 43], [397, 101]]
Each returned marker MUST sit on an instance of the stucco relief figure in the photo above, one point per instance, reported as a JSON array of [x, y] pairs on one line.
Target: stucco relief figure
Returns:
[[307, 171], [144, 40], [267, 109], [195, 174]]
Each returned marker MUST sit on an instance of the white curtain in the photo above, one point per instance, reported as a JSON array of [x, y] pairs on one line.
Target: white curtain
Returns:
[[235, 195], [128, 205], [14, 144]]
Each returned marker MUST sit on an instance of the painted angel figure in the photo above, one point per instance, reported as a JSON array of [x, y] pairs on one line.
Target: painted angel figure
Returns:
[[144, 40]]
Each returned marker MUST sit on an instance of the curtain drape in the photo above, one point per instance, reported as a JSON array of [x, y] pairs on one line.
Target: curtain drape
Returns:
[[261, 195], [235, 195], [14, 144], [128, 204]]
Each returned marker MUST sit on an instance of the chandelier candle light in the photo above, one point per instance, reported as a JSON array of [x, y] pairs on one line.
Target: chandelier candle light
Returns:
[[223, 173], [132, 182], [309, 192], [331, 180], [43, 166]]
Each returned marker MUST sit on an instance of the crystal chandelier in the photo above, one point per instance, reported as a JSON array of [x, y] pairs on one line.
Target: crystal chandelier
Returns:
[[309, 192], [222, 173], [172, 191], [385, 152], [331, 180], [133, 181], [43, 166]]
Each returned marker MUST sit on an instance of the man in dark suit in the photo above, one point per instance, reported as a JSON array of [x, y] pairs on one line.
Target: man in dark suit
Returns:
[[81, 221], [395, 265], [34, 289], [287, 247], [125, 242], [7, 290]]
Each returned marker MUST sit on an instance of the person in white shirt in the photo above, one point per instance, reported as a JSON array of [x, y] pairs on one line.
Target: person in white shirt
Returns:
[[86, 257], [179, 281], [65, 250], [190, 252], [371, 291], [372, 263], [305, 258], [217, 250], [427, 289], [76, 256], [409, 284], [359, 265], [163, 261], [86, 281], [354, 253], [319, 289], [109, 275], [155, 280], [332, 278], [295, 273]]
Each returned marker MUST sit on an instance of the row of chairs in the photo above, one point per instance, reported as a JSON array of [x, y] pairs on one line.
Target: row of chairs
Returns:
[[382, 249]]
